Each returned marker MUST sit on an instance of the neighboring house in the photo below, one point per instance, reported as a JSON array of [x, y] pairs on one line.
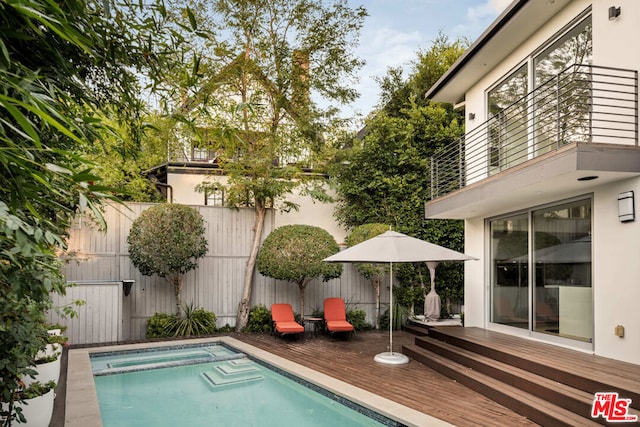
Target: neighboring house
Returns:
[[189, 165], [547, 174], [178, 181]]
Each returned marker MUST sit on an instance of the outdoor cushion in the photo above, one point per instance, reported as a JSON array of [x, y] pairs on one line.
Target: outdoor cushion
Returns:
[[339, 326], [284, 320], [289, 328]]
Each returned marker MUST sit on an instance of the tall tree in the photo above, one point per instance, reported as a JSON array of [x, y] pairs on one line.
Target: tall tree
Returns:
[[386, 178], [268, 63]]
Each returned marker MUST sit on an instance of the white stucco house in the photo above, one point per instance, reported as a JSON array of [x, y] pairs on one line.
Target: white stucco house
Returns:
[[547, 174], [178, 180]]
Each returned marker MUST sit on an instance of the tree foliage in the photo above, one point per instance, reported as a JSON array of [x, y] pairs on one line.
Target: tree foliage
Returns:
[[386, 176], [122, 164], [168, 240], [62, 66], [295, 252]]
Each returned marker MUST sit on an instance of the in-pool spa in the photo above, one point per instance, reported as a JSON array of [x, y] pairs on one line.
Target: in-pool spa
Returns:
[[213, 384]]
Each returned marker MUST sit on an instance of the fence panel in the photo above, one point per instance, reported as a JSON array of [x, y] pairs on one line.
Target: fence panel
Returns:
[[216, 285], [99, 320]]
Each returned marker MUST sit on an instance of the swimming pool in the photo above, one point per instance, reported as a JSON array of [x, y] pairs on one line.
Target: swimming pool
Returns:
[[83, 409], [213, 384]]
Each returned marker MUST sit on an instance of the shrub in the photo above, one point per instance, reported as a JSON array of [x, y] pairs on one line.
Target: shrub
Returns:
[[400, 316], [161, 325], [194, 322], [259, 320], [226, 329], [47, 359], [57, 339], [358, 319]]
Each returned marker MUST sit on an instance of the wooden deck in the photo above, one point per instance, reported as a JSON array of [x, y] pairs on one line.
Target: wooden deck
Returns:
[[413, 385]]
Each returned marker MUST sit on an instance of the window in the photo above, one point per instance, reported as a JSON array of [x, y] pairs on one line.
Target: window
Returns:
[[544, 103], [199, 154], [214, 197], [508, 127], [561, 102]]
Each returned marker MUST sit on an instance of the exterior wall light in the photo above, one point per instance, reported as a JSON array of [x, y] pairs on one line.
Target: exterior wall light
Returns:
[[472, 116], [614, 12], [626, 208]]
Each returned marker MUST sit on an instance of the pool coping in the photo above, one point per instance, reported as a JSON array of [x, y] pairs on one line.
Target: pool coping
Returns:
[[82, 407]]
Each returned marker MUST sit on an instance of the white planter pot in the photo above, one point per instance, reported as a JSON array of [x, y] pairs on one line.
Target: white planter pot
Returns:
[[54, 331], [48, 371], [38, 411], [49, 350], [45, 372]]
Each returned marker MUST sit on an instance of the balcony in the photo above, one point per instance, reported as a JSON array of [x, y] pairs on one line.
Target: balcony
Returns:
[[576, 111]]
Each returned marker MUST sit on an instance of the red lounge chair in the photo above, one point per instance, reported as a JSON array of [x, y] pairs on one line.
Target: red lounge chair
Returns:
[[283, 321], [335, 316]]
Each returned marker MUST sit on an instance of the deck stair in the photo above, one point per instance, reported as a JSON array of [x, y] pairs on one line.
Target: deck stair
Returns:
[[547, 384]]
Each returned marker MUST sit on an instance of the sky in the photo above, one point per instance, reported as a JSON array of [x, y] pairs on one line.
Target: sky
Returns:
[[396, 29]]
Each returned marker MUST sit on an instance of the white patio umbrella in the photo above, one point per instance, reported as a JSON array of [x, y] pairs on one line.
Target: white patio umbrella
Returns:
[[393, 247]]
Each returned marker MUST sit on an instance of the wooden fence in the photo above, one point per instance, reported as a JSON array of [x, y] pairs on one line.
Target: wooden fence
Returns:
[[98, 262]]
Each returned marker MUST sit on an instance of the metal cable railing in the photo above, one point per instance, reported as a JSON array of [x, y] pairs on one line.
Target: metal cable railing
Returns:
[[582, 104]]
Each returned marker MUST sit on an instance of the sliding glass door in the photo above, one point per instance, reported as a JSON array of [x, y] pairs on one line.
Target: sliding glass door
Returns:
[[510, 271], [541, 270]]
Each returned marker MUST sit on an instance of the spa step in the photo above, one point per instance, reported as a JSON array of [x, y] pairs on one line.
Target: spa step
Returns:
[[515, 398], [232, 372]]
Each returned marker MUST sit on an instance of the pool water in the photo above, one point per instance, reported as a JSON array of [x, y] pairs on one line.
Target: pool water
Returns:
[[212, 386]]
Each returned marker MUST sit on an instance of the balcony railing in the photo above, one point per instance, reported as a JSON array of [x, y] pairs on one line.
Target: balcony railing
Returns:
[[582, 104]]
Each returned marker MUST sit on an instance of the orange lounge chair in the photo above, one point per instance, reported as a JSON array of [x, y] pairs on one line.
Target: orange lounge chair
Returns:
[[282, 320], [335, 316]]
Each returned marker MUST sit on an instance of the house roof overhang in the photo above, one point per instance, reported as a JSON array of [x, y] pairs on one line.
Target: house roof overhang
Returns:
[[557, 175], [160, 172], [520, 20]]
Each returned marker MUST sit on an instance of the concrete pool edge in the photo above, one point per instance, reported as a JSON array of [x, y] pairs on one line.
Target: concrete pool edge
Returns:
[[82, 407]]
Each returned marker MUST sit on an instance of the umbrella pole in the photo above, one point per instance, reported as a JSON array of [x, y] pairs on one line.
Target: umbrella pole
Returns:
[[389, 357], [391, 308]]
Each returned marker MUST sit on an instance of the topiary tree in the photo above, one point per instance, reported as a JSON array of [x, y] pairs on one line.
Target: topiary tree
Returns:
[[373, 272], [168, 240], [295, 252]]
